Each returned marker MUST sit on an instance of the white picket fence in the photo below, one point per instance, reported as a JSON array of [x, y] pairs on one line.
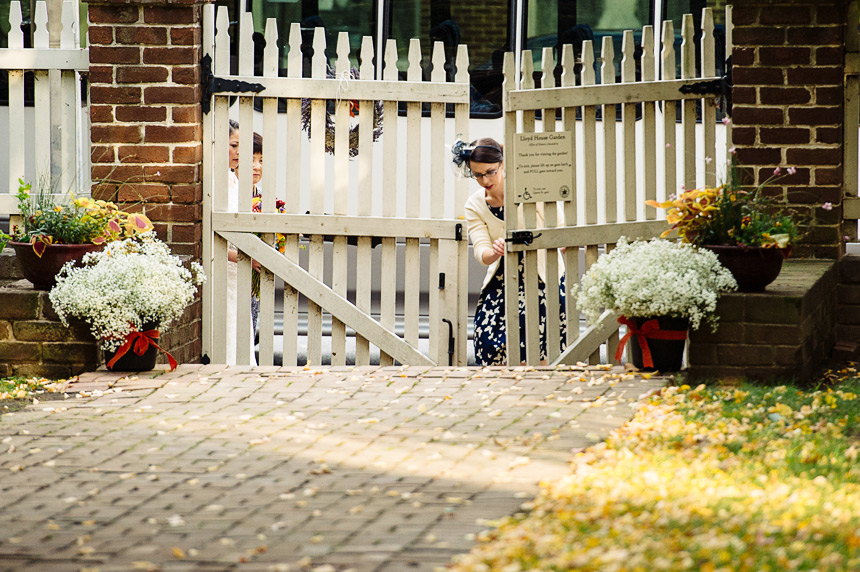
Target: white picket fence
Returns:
[[387, 180], [618, 164], [48, 143]]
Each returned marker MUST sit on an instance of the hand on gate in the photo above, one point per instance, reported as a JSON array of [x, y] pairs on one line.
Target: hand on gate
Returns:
[[499, 247]]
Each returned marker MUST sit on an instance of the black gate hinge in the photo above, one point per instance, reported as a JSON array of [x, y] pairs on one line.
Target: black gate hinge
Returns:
[[211, 84], [720, 86], [525, 237]]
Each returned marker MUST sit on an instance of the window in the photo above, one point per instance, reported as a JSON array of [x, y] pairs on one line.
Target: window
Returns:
[[357, 17], [485, 27]]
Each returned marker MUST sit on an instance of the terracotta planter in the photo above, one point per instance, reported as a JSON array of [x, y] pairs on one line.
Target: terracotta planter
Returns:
[[667, 355], [42, 272], [753, 268]]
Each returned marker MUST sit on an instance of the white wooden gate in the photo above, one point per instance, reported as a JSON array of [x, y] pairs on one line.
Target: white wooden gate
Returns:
[[48, 143], [645, 154], [334, 204]]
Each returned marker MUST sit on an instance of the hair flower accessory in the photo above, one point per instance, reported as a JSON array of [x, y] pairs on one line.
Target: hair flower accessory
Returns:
[[461, 152]]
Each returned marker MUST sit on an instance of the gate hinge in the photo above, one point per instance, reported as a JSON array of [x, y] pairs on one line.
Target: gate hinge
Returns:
[[525, 237], [458, 232], [719, 86], [211, 84]]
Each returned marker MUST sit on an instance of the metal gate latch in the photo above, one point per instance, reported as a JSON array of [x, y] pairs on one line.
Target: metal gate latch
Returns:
[[525, 237]]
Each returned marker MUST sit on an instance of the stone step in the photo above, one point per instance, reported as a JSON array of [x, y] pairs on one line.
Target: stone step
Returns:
[[9, 269], [786, 332]]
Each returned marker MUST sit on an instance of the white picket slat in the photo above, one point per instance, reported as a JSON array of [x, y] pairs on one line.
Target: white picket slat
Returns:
[[461, 194], [388, 264], [207, 247], [17, 155], [363, 266], [412, 258], [511, 81], [649, 122], [293, 161], [709, 109], [571, 254], [628, 121], [553, 314], [270, 184], [688, 117], [670, 110], [609, 111], [42, 101], [530, 258]]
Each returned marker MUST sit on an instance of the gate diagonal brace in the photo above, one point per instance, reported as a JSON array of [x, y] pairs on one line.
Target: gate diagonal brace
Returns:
[[212, 84]]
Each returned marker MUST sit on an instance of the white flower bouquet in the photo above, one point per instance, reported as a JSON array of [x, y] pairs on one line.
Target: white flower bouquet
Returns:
[[644, 279], [130, 283]]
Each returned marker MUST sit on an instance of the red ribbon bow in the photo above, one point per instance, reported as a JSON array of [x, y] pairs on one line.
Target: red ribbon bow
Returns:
[[650, 329], [141, 342]]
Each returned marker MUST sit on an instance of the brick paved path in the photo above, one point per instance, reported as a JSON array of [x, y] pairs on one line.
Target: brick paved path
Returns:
[[280, 469]]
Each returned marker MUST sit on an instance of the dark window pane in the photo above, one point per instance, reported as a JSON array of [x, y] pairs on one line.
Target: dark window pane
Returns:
[[483, 26], [552, 24], [357, 17]]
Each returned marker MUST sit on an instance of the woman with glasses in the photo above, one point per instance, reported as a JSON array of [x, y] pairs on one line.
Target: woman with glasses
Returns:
[[483, 160]]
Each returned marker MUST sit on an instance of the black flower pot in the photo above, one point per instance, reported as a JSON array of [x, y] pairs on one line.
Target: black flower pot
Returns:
[[667, 355], [753, 268], [130, 361]]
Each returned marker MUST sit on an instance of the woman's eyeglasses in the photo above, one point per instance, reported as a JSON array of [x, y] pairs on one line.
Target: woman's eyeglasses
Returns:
[[478, 176]]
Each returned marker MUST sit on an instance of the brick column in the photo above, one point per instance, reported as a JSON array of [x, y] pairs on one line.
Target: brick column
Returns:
[[147, 129], [788, 108]]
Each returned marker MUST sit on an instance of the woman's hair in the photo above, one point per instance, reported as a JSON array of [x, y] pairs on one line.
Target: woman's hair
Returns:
[[258, 143], [486, 150], [234, 126]]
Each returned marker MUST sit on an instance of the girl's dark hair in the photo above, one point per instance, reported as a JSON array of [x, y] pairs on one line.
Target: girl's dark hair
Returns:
[[258, 143], [486, 150]]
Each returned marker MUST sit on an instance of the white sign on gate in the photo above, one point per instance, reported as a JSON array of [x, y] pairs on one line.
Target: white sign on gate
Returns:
[[544, 163]]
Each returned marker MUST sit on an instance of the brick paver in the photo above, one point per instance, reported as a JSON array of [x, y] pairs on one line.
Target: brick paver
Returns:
[[217, 469]]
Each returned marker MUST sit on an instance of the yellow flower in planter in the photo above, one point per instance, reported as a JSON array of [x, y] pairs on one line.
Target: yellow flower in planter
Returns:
[[48, 219], [729, 215]]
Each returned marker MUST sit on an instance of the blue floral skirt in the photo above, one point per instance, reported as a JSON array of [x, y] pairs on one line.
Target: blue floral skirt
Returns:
[[490, 336]]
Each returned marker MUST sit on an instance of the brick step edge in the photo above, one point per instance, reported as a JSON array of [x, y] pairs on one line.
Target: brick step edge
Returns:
[[9, 269]]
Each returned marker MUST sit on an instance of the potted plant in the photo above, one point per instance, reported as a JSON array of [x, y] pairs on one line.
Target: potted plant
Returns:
[[749, 233], [56, 229], [128, 292], [661, 288]]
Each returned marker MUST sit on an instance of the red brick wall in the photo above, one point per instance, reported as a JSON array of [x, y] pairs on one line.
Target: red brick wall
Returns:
[[788, 108], [146, 124]]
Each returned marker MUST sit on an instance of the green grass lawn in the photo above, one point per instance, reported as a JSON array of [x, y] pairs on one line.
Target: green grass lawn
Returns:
[[705, 479]]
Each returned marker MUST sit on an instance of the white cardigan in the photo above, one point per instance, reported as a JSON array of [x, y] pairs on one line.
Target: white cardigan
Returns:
[[484, 228]]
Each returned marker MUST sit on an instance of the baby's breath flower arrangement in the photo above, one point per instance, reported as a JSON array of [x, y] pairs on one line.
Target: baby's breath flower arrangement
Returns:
[[644, 279], [130, 283]]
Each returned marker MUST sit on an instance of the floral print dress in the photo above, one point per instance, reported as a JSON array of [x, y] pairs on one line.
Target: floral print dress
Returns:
[[490, 335]]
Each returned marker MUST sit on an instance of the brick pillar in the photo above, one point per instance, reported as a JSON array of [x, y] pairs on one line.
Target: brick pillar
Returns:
[[788, 108], [147, 146]]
